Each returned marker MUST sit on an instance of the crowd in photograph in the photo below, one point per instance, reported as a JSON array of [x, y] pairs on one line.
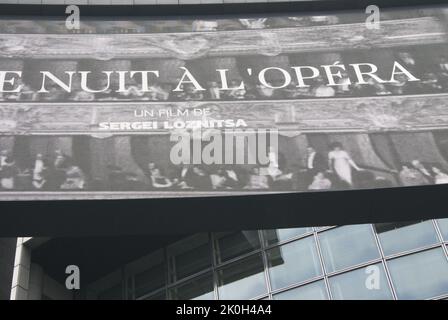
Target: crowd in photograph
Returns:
[[184, 25], [335, 170], [155, 26], [200, 25]]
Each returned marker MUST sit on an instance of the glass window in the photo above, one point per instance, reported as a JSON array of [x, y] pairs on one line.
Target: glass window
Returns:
[[420, 275], [130, 289], [368, 283], [232, 245], [313, 291], [189, 256], [114, 293], [158, 296], [275, 236], [399, 237], [200, 288], [152, 278], [347, 246], [443, 226], [243, 279], [293, 263]]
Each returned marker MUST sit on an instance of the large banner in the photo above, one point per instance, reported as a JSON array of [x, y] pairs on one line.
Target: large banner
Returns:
[[148, 108]]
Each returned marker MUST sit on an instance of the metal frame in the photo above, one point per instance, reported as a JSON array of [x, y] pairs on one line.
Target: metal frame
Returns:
[[325, 276]]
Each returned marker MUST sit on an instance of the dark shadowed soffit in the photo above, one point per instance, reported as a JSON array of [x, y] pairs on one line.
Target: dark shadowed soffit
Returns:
[[95, 256]]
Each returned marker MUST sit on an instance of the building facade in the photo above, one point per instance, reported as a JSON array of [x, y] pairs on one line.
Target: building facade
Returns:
[[407, 260]]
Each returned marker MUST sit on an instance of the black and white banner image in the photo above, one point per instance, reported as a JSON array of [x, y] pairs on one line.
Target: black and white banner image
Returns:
[[149, 108]]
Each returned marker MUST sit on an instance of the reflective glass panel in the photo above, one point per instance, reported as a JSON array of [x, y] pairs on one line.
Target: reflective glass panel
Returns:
[[347, 246], [158, 296], [368, 283], [243, 279], [231, 245], [443, 226], [153, 277], [200, 288], [399, 237], [278, 235], [293, 263], [313, 291], [113, 293], [189, 256], [420, 275]]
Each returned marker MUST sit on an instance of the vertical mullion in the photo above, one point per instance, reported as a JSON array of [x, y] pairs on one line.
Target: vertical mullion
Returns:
[[322, 264], [214, 262], [264, 257], [383, 259], [440, 237]]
